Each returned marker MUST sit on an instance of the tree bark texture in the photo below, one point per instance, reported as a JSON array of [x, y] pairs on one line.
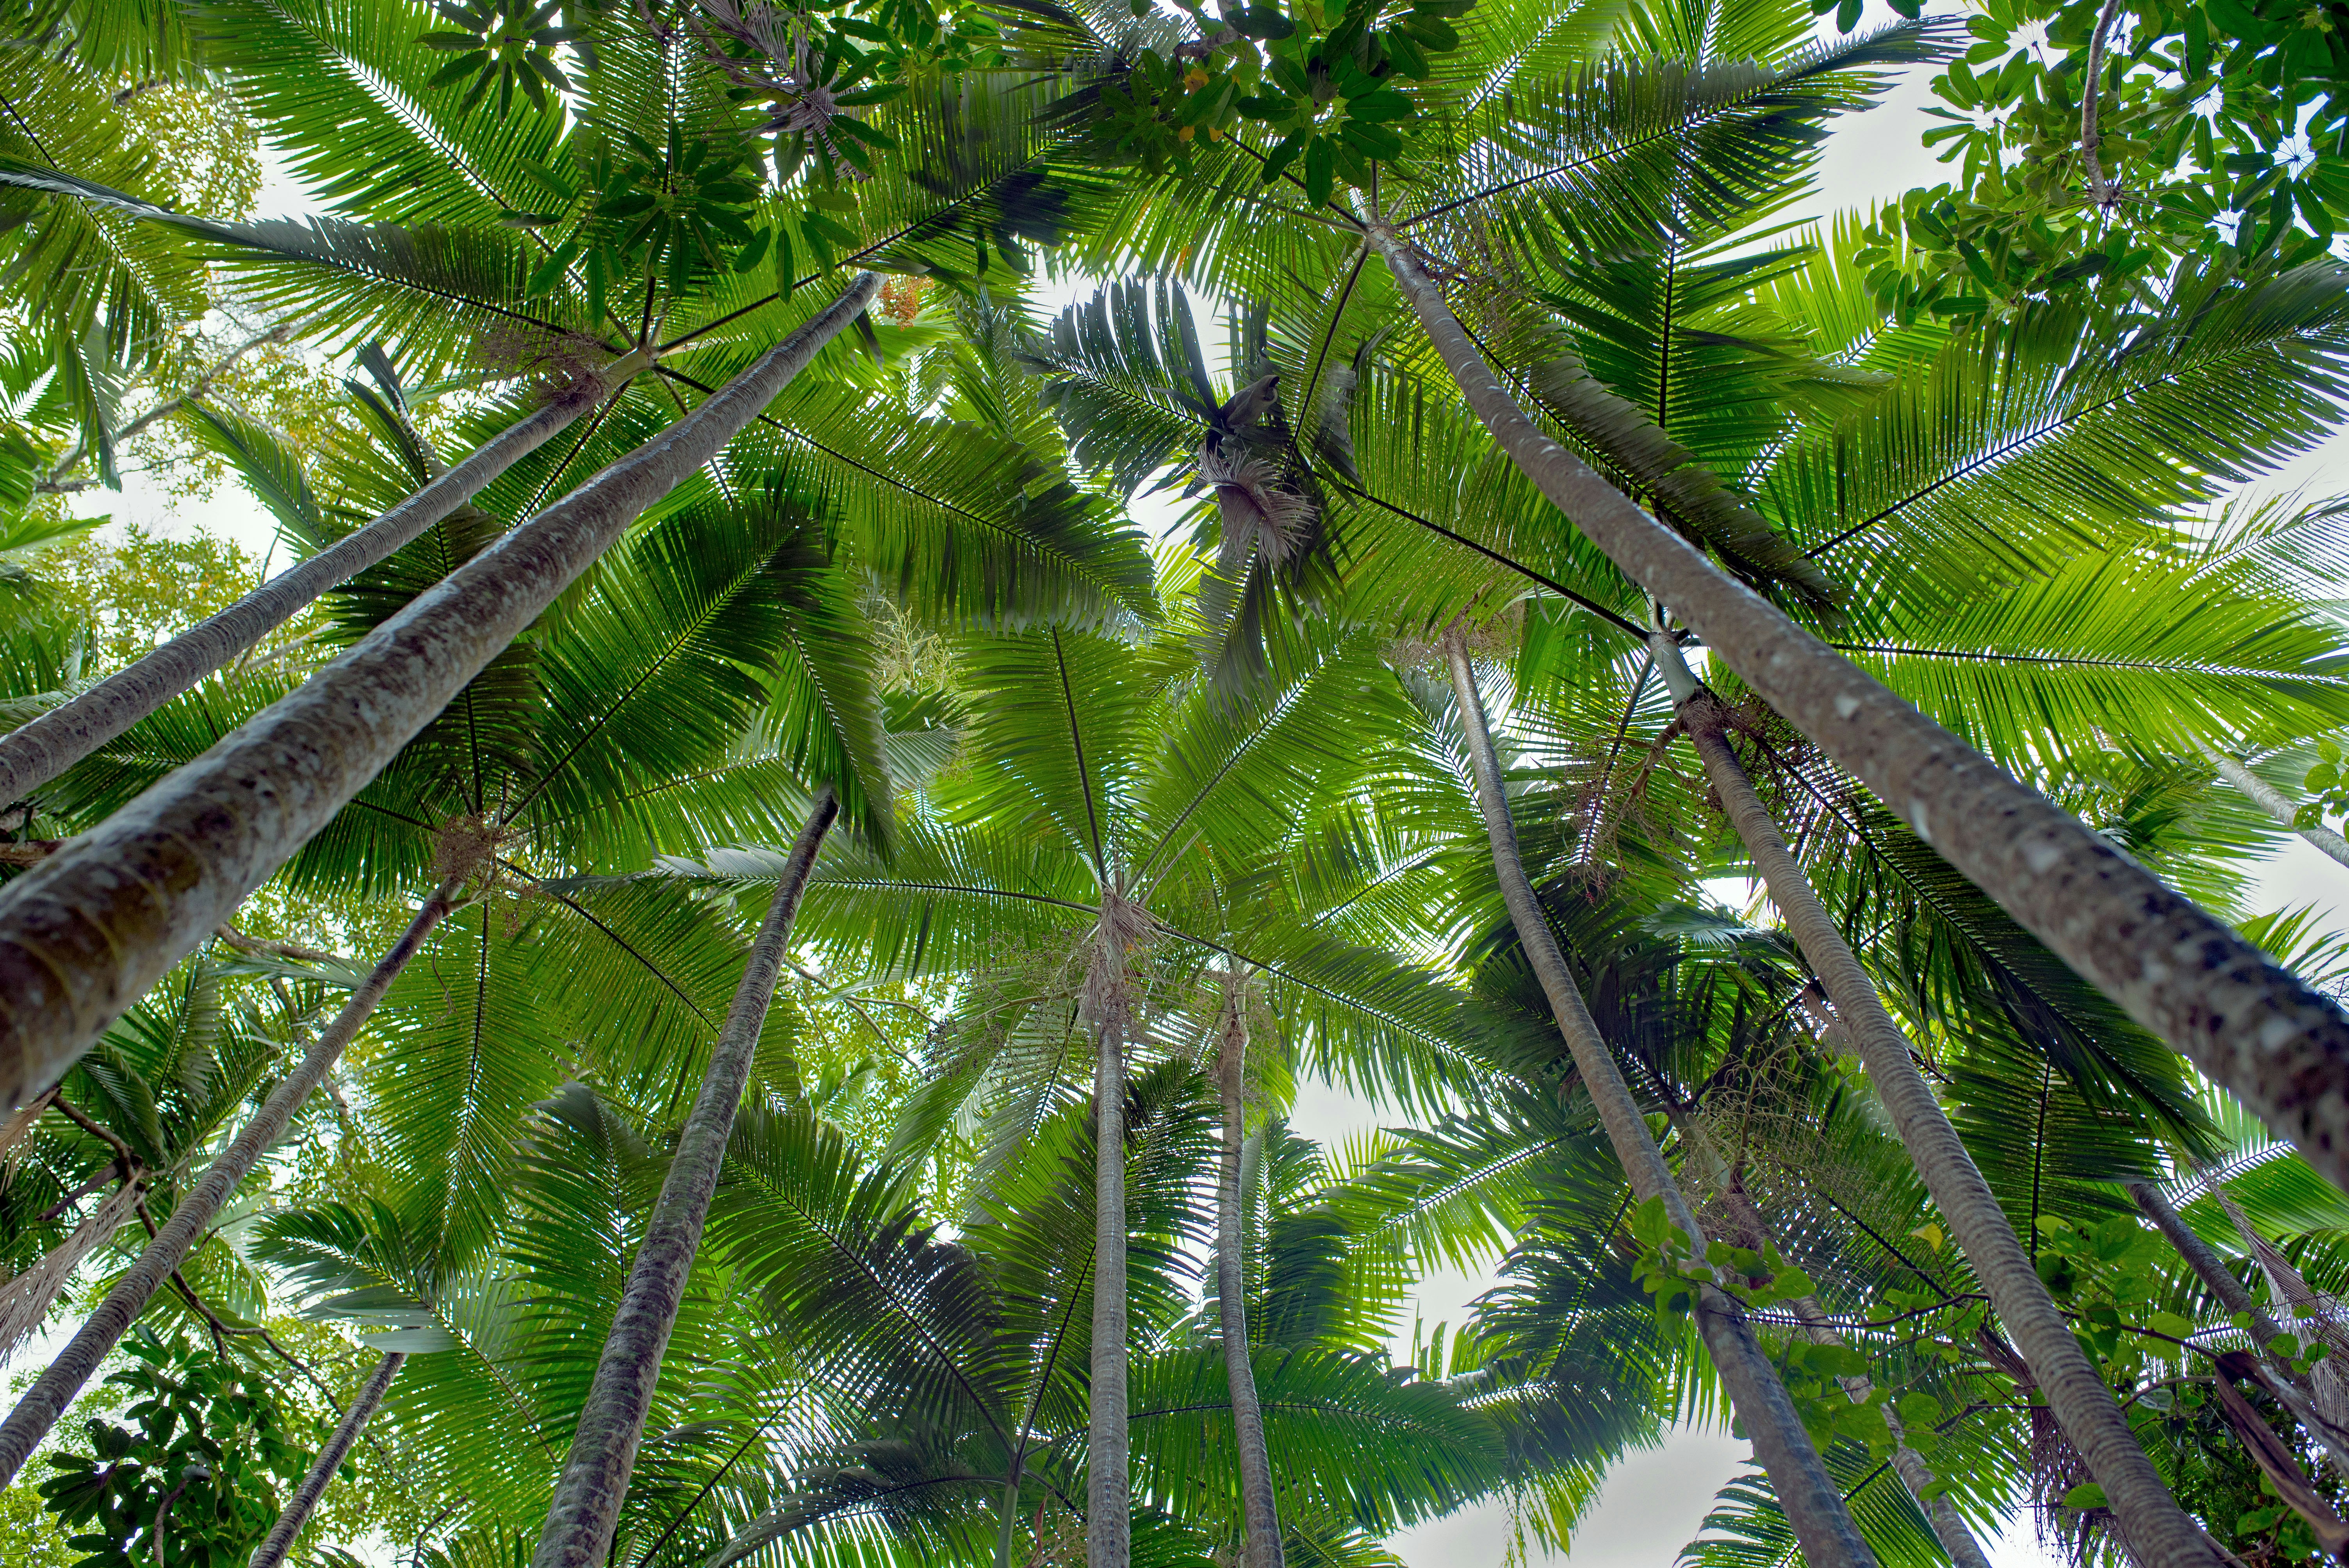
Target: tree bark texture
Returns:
[[2159, 1531], [2282, 1380], [585, 1510], [2271, 799], [2281, 1047], [34, 755], [274, 1546], [47, 1399], [1814, 1505], [84, 935], [1108, 1486], [1950, 1528], [1260, 1503]]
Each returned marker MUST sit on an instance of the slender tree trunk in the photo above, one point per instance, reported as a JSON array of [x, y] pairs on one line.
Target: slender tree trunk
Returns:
[[2281, 1467], [2281, 1047], [1949, 1527], [2271, 799], [47, 1399], [585, 1511], [85, 933], [1008, 1514], [1260, 1503], [35, 754], [2284, 1380], [1814, 1505], [2159, 1531], [1109, 1496], [273, 1547]]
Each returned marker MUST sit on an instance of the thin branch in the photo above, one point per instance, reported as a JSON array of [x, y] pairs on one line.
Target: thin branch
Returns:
[[271, 947], [2106, 194]]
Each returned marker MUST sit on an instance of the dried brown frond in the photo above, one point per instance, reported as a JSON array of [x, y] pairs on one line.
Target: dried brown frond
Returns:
[[462, 844], [1257, 509], [562, 366]]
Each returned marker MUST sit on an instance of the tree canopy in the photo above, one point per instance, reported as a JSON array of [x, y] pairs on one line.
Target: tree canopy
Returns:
[[898, 631]]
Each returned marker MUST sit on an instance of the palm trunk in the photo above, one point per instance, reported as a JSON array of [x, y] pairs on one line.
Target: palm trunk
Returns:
[[1109, 1496], [35, 754], [273, 1547], [2281, 1047], [1949, 1527], [2271, 799], [86, 933], [2284, 1380], [1259, 1504], [47, 1399], [2158, 1530], [585, 1511], [1814, 1505]]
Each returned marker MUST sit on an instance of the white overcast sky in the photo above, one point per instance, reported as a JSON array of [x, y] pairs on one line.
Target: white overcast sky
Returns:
[[1654, 1501]]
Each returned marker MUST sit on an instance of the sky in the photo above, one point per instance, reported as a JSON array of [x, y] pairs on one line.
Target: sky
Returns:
[[1653, 1503]]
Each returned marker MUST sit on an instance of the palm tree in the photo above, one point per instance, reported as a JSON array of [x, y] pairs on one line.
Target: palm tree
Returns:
[[1258, 1495], [155, 1093], [592, 780], [1616, 432], [299, 728], [1803, 1488], [321, 1473], [2225, 592], [1133, 394], [34, 754], [1137, 781], [586, 1507], [228, 821], [2276, 804], [434, 289], [2076, 1390], [1632, 150]]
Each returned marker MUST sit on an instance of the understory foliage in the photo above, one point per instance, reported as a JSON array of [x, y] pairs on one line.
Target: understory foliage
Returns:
[[1099, 573]]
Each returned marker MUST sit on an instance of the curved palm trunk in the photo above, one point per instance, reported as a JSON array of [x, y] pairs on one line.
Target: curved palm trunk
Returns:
[[1109, 1491], [1949, 1527], [1814, 1505], [2158, 1532], [2271, 799], [1260, 1503], [586, 1508], [2284, 1380], [273, 1547], [47, 1399], [2281, 1047], [36, 753], [86, 933]]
